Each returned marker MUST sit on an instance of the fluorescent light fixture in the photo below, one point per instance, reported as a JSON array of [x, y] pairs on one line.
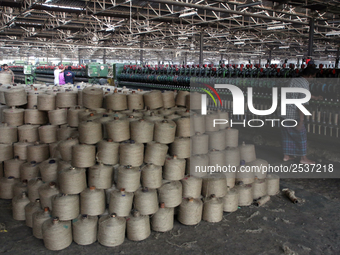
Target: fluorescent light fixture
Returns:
[[188, 14], [183, 38], [284, 47], [62, 6], [333, 33], [299, 55], [238, 43], [276, 27], [248, 4]]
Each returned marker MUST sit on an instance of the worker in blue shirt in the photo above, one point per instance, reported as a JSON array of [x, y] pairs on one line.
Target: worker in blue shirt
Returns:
[[69, 75]]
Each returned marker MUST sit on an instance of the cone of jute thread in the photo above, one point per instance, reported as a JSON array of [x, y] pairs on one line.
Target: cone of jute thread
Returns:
[[183, 127], [46, 102], [18, 206], [64, 132], [48, 133], [153, 99], [138, 227], [190, 211], [151, 176], [33, 186], [210, 122], [181, 147], [6, 152], [35, 117], [217, 140], [135, 101], [20, 187], [84, 229], [111, 230], [247, 152], [46, 192], [230, 200], [217, 158], [29, 170], [83, 155], [273, 184], [6, 187], [231, 137], [58, 116], [92, 201], [165, 131], [232, 156], [57, 234], [72, 180], [259, 188], [261, 201], [170, 193], [118, 129], [174, 168], [167, 111], [108, 152], [181, 97], [197, 165], [128, 178], [163, 219], [38, 152], [14, 116], [146, 201], [192, 186], [142, 131], [168, 99], [100, 176], [65, 148], [200, 144], [72, 116], [245, 194], [116, 101], [223, 116], [38, 219], [155, 153], [92, 97], [245, 177], [198, 123], [213, 209], [20, 149], [28, 132], [121, 202], [131, 153], [66, 99], [90, 132], [30, 209], [65, 207], [16, 96], [48, 170], [12, 167], [214, 184], [153, 117], [8, 134]]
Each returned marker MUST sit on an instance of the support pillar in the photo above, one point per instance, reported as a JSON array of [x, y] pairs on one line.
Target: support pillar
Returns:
[[201, 50], [311, 38]]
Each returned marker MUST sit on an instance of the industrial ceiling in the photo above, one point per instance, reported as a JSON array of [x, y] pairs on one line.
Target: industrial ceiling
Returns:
[[169, 29]]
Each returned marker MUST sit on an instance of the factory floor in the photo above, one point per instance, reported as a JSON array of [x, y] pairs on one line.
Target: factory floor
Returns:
[[279, 227]]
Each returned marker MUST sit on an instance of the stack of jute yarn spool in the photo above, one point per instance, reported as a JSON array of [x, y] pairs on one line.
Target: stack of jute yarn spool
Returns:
[[108, 174]]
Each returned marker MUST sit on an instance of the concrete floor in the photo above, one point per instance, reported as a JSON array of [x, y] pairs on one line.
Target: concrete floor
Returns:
[[309, 228]]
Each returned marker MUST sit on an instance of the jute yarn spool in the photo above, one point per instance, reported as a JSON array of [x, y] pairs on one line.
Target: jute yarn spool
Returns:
[[232, 156], [31, 208], [57, 234], [168, 99], [146, 201], [194, 101], [170, 193], [167, 111], [273, 184], [6, 187], [66, 99], [108, 192], [65, 132], [35, 117], [180, 98], [92, 201], [186, 113], [121, 202], [18, 206], [90, 132], [38, 219], [192, 186], [19, 188], [231, 137], [190, 211], [245, 194], [48, 170], [72, 180], [128, 178], [38, 152], [72, 116], [32, 99], [163, 219], [84, 115], [181, 147], [108, 152], [33, 186], [6, 152], [116, 102], [135, 101], [209, 122], [65, 148], [46, 192], [214, 184], [183, 127], [84, 229], [28, 133], [8, 134], [197, 165], [217, 140], [154, 117], [247, 152], [138, 227], [165, 131], [46, 102], [16, 96], [20, 149], [174, 168], [246, 177], [153, 99], [29, 170], [100, 176], [48, 133], [5, 78], [80, 98], [58, 116], [199, 123], [259, 188], [260, 166], [65, 207], [111, 230], [230, 200], [83, 155], [54, 150], [92, 97], [131, 153], [14, 117], [118, 129], [200, 144], [155, 153], [213, 209], [231, 178], [2, 108], [151, 177], [142, 131], [223, 116], [217, 159], [104, 119], [12, 167]]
